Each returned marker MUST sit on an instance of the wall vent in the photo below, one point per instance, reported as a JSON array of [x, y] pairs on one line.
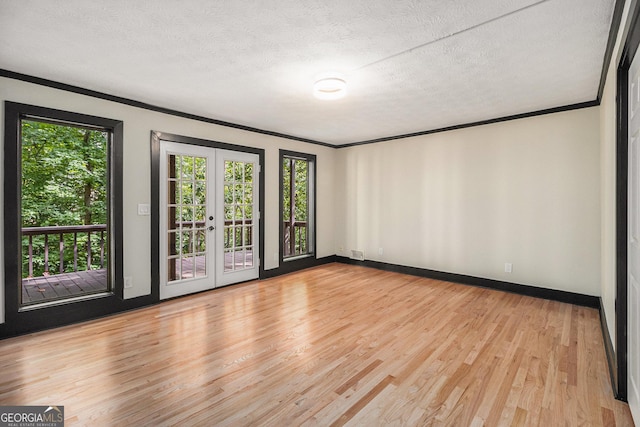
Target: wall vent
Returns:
[[359, 255]]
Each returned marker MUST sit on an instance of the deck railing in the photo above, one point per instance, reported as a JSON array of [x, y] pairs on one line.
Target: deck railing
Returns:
[[98, 231], [84, 248], [228, 230], [296, 238]]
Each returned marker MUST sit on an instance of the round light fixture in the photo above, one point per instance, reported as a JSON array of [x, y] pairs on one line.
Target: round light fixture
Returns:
[[330, 88]]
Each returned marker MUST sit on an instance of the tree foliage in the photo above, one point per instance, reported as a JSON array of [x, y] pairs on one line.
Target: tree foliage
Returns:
[[295, 188], [64, 182], [64, 175]]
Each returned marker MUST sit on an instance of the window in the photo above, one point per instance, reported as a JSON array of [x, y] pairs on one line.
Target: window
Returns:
[[297, 205], [63, 211], [62, 171]]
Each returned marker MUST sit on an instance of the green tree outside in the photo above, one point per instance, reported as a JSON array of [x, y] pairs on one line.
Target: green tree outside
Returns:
[[299, 170], [64, 183]]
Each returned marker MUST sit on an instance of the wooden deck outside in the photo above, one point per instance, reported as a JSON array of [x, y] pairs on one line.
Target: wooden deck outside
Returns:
[[66, 285], [232, 261]]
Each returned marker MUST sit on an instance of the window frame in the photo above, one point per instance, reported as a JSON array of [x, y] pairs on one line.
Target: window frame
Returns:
[[299, 261], [20, 318]]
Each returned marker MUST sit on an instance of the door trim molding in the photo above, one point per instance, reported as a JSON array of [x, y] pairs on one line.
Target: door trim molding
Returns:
[[631, 42], [156, 137]]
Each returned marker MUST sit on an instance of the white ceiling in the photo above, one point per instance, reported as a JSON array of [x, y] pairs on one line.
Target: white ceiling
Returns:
[[410, 65]]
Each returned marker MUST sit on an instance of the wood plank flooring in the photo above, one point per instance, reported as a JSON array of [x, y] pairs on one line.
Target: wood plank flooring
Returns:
[[334, 345]]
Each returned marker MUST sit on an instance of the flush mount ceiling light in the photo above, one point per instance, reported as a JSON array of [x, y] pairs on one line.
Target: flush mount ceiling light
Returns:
[[329, 88]]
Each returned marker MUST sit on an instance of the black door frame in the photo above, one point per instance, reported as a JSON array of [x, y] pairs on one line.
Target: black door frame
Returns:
[[631, 42], [19, 321]]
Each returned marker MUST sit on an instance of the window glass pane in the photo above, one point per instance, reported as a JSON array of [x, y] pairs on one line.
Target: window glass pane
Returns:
[[173, 269], [174, 246], [238, 171], [201, 265], [174, 192], [172, 218], [301, 202], [200, 213], [185, 242], [237, 236], [249, 258], [187, 167], [286, 189], [248, 172], [238, 259], [187, 193], [247, 235], [228, 171], [64, 178], [187, 215], [173, 166], [228, 260], [200, 196], [239, 193], [239, 214], [201, 242], [297, 194], [187, 268], [201, 168], [248, 194], [228, 238], [228, 212], [228, 194]]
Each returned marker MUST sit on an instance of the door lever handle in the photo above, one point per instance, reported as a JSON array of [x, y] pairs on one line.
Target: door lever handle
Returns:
[[211, 228]]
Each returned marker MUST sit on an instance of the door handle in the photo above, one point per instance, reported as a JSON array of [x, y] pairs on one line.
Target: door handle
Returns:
[[211, 228]]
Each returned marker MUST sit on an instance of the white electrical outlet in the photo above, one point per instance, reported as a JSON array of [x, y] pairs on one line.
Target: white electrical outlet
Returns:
[[380, 251], [128, 282], [508, 267]]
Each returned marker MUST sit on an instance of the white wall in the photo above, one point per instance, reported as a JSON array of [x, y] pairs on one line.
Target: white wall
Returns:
[[138, 124], [525, 192], [608, 181]]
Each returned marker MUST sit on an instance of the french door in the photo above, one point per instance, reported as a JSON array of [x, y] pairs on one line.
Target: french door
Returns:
[[208, 218], [237, 217]]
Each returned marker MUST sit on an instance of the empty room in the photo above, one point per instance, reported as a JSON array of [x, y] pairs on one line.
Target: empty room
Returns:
[[420, 213]]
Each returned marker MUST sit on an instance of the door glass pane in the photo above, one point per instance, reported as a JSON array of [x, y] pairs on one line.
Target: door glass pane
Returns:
[[187, 267], [187, 207], [238, 208], [64, 204], [201, 168], [199, 215]]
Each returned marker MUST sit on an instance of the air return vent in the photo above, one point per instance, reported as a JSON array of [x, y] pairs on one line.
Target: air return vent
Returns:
[[359, 255]]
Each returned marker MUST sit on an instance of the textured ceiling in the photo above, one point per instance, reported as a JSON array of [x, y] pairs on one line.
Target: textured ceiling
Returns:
[[410, 65]]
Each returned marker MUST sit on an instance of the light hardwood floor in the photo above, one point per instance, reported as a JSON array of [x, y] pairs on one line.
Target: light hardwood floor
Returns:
[[332, 345]]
